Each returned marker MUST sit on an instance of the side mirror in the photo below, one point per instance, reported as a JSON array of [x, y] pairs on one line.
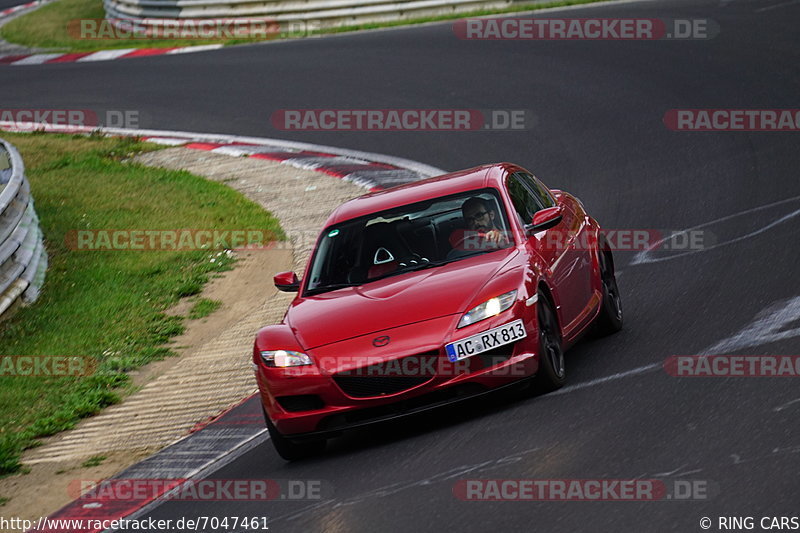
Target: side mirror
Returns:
[[287, 282], [545, 219]]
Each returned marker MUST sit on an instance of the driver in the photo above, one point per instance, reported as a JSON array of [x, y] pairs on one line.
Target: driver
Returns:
[[481, 233]]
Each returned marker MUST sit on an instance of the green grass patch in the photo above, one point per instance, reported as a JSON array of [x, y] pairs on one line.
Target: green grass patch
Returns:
[[106, 305], [56, 26], [95, 460], [49, 26], [203, 307]]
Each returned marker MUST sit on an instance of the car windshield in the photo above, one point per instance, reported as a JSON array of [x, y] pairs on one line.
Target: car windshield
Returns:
[[413, 237]]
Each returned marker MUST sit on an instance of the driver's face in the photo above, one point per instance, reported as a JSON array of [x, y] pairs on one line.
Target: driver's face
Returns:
[[478, 218]]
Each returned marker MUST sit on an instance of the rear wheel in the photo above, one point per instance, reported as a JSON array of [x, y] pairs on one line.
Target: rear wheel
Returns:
[[609, 320], [290, 450], [552, 372]]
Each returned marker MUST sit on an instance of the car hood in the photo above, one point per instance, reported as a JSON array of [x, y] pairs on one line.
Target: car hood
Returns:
[[392, 302]]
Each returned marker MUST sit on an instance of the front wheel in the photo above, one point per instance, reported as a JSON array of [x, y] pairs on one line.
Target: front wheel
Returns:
[[290, 450], [552, 373], [609, 320]]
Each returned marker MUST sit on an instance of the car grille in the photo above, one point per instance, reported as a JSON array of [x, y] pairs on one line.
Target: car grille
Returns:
[[303, 402], [389, 377], [371, 414]]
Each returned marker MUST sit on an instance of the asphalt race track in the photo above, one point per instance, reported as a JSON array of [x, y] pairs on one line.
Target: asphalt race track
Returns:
[[9, 3], [598, 133]]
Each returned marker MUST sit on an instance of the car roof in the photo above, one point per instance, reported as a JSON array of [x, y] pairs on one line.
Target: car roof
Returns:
[[452, 183]]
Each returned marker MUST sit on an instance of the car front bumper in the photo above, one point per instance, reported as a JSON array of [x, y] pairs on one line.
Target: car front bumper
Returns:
[[314, 400]]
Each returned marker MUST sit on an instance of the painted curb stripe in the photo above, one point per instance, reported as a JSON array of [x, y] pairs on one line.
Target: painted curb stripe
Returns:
[[235, 150], [196, 48], [283, 156], [36, 59], [68, 58], [203, 146], [372, 171], [330, 164], [12, 10], [104, 55], [166, 141], [146, 52], [341, 171], [5, 60]]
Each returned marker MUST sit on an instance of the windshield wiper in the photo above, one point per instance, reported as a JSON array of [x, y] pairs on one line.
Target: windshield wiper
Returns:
[[412, 267], [331, 287], [428, 264]]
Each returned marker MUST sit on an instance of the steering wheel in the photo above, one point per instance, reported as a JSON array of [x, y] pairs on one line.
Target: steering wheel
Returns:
[[412, 260]]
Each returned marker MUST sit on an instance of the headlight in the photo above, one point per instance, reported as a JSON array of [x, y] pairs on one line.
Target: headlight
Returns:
[[487, 309], [284, 358]]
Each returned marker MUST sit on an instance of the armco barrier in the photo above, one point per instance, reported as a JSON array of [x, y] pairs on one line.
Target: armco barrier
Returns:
[[294, 15], [23, 259]]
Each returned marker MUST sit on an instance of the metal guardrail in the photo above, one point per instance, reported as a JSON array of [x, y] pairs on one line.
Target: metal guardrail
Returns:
[[23, 258], [314, 13]]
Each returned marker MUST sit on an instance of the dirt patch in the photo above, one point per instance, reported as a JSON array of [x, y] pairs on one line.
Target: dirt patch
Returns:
[[251, 279]]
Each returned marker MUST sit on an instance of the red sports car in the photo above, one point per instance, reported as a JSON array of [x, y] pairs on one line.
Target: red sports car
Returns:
[[429, 293]]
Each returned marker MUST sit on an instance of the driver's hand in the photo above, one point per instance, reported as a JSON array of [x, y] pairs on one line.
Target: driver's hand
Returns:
[[496, 237]]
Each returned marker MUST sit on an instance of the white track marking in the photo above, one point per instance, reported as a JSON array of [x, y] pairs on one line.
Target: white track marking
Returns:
[[674, 473], [786, 405], [776, 6], [619, 375], [645, 255], [394, 488], [766, 329]]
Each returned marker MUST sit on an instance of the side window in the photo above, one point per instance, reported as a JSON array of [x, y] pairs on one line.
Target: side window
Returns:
[[543, 197], [525, 203]]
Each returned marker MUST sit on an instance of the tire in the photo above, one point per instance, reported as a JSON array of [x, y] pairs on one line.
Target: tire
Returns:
[[609, 320], [552, 372], [290, 450]]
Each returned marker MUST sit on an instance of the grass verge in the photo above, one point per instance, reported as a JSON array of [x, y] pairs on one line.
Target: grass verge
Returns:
[[203, 307], [106, 305], [48, 26], [95, 460]]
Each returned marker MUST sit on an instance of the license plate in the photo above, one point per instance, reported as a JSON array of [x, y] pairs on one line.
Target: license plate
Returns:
[[482, 342]]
